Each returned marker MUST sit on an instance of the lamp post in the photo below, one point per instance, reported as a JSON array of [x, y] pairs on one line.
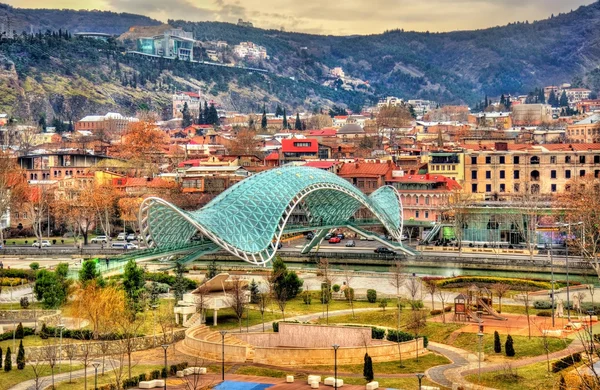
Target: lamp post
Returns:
[[96, 365], [153, 307], [335, 348], [165, 347], [223, 333], [420, 377], [61, 327], [591, 313], [480, 336], [551, 275]]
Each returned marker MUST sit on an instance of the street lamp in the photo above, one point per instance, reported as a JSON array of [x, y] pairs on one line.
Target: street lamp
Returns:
[[153, 307], [420, 376], [61, 327], [480, 336], [96, 365], [165, 347], [223, 333], [335, 348]]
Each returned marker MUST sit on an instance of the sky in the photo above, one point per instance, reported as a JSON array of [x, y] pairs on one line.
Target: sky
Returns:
[[344, 17]]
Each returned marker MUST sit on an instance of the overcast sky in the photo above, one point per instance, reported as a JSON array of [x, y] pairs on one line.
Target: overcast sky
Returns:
[[333, 17]]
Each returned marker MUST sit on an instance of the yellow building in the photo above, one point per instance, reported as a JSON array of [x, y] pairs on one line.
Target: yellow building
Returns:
[[449, 164]]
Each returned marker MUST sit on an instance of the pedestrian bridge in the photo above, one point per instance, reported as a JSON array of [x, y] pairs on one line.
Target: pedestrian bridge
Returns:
[[249, 219]]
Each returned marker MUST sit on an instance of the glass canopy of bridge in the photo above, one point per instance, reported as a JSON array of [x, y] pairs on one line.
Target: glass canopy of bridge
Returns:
[[249, 219]]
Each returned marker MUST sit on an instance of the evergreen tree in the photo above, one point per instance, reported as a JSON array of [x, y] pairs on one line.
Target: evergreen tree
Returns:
[[186, 115], [205, 113], [278, 111], [368, 368], [254, 292], [263, 121], [133, 284], [552, 99], [201, 120], [285, 122], [562, 384], [42, 122], [213, 116], [8, 361], [564, 100], [509, 347], [503, 100], [19, 332], [497, 343], [89, 272], [298, 124], [21, 356], [179, 285], [1, 356], [286, 283], [487, 103], [541, 96], [212, 270]]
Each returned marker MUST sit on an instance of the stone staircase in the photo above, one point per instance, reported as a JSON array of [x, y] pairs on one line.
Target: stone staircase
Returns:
[[206, 333], [194, 320]]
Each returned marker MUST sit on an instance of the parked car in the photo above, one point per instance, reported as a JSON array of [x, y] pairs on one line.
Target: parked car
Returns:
[[328, 236], [382, 250], [334, 240], [123, 245], [131, 237], [121, 236], [44, 243], [341, 236], [403, 237], [310, 236], [99, 239], [350, 243]]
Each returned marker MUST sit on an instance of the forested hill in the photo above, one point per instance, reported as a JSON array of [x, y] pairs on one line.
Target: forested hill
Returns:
[[25, 19], [455, 66]]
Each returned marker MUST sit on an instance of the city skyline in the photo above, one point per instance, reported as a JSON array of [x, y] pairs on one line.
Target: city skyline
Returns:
[[349, 18]]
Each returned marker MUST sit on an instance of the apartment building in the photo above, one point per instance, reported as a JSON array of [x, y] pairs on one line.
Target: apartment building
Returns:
[[112, 123], [499, 171], [449, 164], [585, 131]]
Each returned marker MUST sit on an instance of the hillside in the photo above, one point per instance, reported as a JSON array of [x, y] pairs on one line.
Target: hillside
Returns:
[[65, 77]]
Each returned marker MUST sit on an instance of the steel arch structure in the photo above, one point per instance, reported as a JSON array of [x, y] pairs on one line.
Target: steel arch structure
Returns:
[[249, 218]]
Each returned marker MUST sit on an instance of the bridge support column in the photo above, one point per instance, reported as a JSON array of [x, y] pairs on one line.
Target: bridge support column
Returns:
[[215, 317]]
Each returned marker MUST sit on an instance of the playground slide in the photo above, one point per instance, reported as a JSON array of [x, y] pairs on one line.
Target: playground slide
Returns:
[[490, 310], [473, 316]]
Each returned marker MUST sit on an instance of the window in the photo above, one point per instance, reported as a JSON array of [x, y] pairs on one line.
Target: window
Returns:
[[552, 159], [474, 188], [581, 159], [553, 187], [426, 200], [516, 187], [473, 175], [553, 174], [502, 187], [302, 144], [582, 173], [516, 174], [473, 160], [534, 160], [568, 174], [515, 159], [502, 160], [596, 159], [488, 160], [597, 173], [488, 188], [417, 214], [416, 200], [567, 159], [502, 175], [426, 214], [488, 174]]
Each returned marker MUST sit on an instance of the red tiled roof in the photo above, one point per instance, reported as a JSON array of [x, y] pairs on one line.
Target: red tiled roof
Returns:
[[191, 94], [341, 117], [365, 169], [289, 145], [491, 147], [320, 164], [323, 133], [428, 178], [274, 156], [571, 147]]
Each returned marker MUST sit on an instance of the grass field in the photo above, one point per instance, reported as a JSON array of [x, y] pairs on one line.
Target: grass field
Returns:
[[107, 378], [534, 376], [408, 366], [524, 347], [9, 379]]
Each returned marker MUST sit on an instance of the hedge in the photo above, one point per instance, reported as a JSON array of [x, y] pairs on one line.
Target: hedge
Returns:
[[377, 333], [18, 273], [83, 334], [544, 314], [276, 324], [566, 362], [543, 305], [399, 336], [162, 277], [492, 279], [9, 335], [435, 312], [177, 367]]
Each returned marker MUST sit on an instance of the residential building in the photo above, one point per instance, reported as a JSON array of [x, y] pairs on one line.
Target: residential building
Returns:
[[56, 164], [588, 105], [210, 179], [337, 72], [575, 95], [250, 51], [111, 123], [367, 176], [531, 114], [585, 131], [340, 120], [390, 101], [497, 120], [351, 131], [173, 43], [294, 149], [448, 164]]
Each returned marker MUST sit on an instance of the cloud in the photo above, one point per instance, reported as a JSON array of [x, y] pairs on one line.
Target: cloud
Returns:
[[340, 18]]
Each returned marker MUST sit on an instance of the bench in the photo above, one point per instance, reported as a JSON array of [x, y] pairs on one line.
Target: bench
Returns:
[[152, 384], [429, 388], [289, 379], [314, 385], [372, 385], [314, 378], [331, 381], [191, 371]]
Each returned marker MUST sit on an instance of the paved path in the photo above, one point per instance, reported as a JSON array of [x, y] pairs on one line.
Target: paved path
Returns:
[[62, 377], [455, 355]]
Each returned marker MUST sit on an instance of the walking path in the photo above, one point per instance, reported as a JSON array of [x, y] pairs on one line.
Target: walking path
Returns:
[[46, 381]]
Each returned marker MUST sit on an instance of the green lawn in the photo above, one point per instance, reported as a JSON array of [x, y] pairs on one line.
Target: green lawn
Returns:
[[524, 347], [107, 378], [34, 341], [534, 376], [409, 366], [9, 379], [435, 331]]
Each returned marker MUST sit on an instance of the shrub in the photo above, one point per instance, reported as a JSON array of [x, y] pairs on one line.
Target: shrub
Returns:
[[425, 341], [155, 374], [497, 343], [377, 333], [163, 373], [163, 277], [493, 279], [34, 266], [509, 347], [24, 302], [349, 294], [44, 332], [448, 309], [435, 312], [336, 288], [371, 296], [566, 362], [20, 333], [383, 303], [399, 336], [542, 305], [276, 324], [142, 377], [544, 314], [416, 304], [368, 368], [306, 297], [8, 361]]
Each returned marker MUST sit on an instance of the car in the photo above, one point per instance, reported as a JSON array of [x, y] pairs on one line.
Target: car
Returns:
[[121, 236], [403, 237], [123, 245], [350, 243], [341, 236], [131, 237], [310, 236], [44, 243], [99, 239], [334, 240], [328, 236], [382, 250]]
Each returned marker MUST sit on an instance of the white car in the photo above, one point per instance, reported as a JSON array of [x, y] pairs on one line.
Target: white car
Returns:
[[98, 239], [131, 237], [123, 245], [45, 243], [121, 236]]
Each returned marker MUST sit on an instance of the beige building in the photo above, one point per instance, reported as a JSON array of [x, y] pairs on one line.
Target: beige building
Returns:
[[531, 114], [499, 171], [585, 131]]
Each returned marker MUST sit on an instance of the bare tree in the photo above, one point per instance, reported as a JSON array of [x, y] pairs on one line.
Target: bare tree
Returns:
[[444, 297], [71, 352], [37, 209], [416, 322], [39, 369], [323, 272], [414, 288], [397, 279], [264, 299], [432, 287], [237, 298], [501, 289], [195, 381], [129, 324], [526, 221], [117, 362], [526, 300], [50, 354], [165, 321], [85, 356], [349, 291]]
